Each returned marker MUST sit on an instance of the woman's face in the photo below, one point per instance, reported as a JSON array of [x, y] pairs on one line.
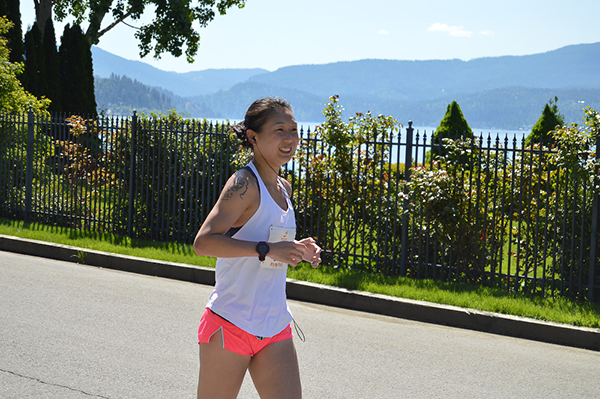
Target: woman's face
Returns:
[[278, 139]]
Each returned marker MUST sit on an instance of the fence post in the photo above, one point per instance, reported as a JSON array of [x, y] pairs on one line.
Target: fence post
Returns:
[[407, 166], [594, 232], [29, 171], [132, 145]]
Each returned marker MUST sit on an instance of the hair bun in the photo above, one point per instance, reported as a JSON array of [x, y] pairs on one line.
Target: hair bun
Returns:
[[240, 130]]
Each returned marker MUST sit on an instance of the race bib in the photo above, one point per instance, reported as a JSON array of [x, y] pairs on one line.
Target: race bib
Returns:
[[277, 234]]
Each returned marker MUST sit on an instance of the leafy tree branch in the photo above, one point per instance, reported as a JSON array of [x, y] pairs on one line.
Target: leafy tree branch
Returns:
[[171, 30]]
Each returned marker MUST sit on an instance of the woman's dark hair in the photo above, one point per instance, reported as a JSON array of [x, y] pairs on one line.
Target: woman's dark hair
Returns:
[[257, 115]]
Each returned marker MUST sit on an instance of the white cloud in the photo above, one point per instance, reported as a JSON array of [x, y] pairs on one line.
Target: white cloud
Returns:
[[383, 32], [452, 30], [486, 32]]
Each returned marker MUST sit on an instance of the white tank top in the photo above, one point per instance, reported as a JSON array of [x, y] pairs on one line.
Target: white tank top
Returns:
[[245, 294]]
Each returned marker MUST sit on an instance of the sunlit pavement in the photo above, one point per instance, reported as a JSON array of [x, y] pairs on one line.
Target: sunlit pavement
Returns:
[[75, 331]]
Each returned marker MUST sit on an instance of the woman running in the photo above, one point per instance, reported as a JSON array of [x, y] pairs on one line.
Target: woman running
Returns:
[[251, 232]]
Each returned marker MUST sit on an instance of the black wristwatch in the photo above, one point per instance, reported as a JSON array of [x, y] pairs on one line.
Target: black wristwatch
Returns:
[[263, 249]]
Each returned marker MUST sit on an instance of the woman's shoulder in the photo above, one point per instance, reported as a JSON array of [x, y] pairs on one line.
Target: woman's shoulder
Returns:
[[249, 175], [243, 185]]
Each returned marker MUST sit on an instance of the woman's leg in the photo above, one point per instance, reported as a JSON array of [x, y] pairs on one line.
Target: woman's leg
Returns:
[[275, 372], [221, 371]]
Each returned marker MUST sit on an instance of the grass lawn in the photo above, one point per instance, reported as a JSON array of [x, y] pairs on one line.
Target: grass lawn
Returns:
[[558, 310]]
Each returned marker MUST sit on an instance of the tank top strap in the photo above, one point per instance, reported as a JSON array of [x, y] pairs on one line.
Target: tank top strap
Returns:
[[252, 168], [253, 173], [285, 191]]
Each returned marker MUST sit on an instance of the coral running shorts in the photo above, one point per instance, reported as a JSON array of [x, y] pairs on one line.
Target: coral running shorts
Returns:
[[234, 338]]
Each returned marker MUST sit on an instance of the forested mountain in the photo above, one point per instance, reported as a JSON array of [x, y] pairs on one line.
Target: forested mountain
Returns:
[[181, 84], [496, 93], [121, 95]]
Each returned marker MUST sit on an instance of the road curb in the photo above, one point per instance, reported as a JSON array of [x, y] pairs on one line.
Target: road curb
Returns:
[[453, 316]]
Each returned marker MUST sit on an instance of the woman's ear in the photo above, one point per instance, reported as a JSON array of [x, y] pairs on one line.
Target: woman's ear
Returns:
[[251, 134]]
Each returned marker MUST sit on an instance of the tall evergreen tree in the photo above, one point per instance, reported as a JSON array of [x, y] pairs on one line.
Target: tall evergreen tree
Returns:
[[52, 68], [541, 131], [76, 72], [34, 79], [453, 126], [14, 36]]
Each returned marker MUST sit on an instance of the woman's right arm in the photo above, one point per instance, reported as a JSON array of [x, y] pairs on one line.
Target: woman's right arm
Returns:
[[236, 204], [238, 201]]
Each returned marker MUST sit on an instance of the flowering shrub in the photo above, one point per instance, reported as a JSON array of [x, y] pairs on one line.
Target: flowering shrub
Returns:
[[527, 218], [344, 188], [450, 203]]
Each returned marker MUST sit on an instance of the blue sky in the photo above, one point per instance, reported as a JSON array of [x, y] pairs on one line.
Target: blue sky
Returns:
[[272, 34]]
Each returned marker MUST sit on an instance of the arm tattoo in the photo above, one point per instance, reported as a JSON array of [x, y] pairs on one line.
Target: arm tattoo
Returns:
[[240, 186]]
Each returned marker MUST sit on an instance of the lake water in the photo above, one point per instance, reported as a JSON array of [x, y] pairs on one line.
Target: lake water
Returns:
[[493, 133], [502, 135]]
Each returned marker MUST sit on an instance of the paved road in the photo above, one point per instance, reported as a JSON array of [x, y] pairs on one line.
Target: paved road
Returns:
[[74, 331]]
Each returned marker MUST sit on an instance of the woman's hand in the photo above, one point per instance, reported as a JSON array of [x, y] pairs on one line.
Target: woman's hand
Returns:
[[290, 252], [313, 253], [293, 252]]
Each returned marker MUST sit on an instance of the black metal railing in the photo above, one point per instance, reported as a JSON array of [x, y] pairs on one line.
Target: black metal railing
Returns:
[[487, 210]]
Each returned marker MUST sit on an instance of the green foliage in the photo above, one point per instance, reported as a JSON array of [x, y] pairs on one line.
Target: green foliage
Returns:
[[552, 207], [76, 72], [52, 68], [175, 173], [13, 158], [11, 10], [13, 98], [541, 133], [398, 170], [347, 191], [450, 202], [530, 214], [171, 29], [452, 126], [41, 76], [121, 95], [34, 77], [536, 206], [70, 174], [577, 182]]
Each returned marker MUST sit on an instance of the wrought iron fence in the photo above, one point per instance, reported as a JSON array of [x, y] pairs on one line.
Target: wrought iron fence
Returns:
[[487, 211], [141, 176]]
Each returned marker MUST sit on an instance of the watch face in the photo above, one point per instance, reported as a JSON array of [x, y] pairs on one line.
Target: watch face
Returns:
[[262, 248]]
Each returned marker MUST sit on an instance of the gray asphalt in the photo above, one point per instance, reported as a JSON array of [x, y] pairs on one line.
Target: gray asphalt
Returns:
[[75, 331]]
